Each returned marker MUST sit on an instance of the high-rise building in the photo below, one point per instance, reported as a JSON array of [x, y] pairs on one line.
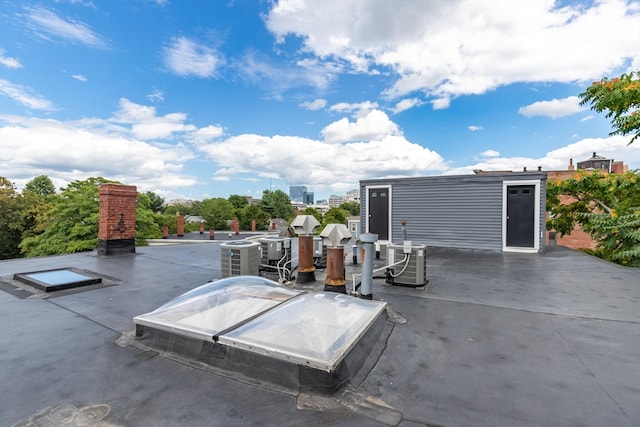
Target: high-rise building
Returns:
[[352, 196], [335, 201], [298, 193], [309, 198]]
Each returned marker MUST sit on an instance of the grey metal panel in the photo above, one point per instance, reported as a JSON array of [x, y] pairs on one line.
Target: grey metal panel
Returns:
[[543, 213], [463, 211], [450, 213]]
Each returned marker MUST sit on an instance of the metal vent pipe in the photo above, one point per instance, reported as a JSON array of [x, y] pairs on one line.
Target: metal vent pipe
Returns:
[[366, 287]]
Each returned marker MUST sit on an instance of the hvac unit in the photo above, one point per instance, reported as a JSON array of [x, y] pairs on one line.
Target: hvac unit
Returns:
[[275, 251], [319, 253], [410, 267], [239, 258]]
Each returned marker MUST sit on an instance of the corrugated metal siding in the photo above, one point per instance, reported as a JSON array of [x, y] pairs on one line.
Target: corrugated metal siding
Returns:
[[451, 211], [543, 213]]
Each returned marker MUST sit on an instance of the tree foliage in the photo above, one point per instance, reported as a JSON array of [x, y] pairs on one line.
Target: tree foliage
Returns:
[[10, 227], [238, 201], [620, 98], [152, 201], [21, 216], [216, 212], [277, 204], [352, 207], [607, 206], [147, 226], [336, 216], [253, 212], [72, 222], [42, 186]]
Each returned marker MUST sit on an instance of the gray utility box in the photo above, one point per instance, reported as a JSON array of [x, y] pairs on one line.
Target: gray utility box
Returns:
[[239, 258], [415, 272]]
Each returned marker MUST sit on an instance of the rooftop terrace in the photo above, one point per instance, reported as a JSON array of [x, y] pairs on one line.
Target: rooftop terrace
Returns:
[[496, 338]]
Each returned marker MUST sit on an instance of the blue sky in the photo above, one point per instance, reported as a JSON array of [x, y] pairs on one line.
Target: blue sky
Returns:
[[203, 99]]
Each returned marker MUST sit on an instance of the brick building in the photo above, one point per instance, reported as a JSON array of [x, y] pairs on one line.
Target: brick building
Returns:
[[579, 239]]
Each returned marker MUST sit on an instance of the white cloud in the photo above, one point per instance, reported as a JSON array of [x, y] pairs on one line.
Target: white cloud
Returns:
[[24, 96], [156, 96], [474, 128], [278, 77], [317, 104], [65, 152], [79, 77], [185, 57], [613, 147], [147, 125], [8, 61], [490, 153], [441, 103], [374, 125], [358, 109], [448, 49], [207, 134], [555, 108], [406, 104], [587, 118], [49, 26], [337, 168]]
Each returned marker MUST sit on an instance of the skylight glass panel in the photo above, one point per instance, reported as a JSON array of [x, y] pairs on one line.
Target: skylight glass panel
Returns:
[[217, 306], [315, 329]]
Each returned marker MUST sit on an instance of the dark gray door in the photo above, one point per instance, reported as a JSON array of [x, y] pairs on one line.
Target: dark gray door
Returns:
[[379, 212], [521, 215]]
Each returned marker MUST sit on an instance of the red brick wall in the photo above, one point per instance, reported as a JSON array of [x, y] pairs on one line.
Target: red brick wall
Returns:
[[578, 239], [117, 212]]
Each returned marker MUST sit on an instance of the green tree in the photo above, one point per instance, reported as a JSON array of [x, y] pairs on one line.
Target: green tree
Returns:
[[152, 201], [277, 204], [238, 201], [147, 226], [21, 215], [42, 186], [10, 221], [216, 212], [607, 206], [187, 208], [148, 217], [35, 209], [620, 98], [253, 212], [72, 222], [352, 207], [336, 216]]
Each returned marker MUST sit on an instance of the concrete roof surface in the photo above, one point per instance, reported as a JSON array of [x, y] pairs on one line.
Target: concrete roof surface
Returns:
[[496, 339]]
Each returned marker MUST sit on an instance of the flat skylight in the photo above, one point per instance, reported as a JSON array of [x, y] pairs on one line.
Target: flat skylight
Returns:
[[54, 280]]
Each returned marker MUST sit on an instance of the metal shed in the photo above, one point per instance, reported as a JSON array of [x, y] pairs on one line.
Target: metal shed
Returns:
[[494, 211]]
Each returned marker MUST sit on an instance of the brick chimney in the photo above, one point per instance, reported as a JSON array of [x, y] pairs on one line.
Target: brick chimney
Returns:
[[117, 229]]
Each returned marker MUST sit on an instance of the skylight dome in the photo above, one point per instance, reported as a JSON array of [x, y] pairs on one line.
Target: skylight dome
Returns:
[[256, 327]]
